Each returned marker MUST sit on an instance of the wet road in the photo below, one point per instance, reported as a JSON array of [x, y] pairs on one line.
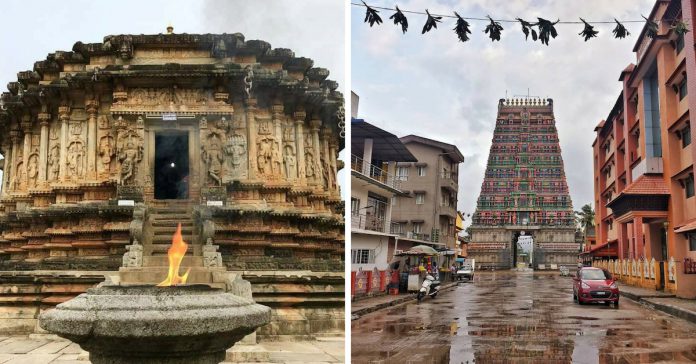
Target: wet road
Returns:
[[520, 317]]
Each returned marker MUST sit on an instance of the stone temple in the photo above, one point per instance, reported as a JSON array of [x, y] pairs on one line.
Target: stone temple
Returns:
[[524, 215], [110, 146]]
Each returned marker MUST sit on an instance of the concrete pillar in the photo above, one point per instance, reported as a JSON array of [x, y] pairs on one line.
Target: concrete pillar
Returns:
[[315, 124], [251, 136], [367, 156], [63, 116], [92, 106], [637, 237], [299, 140], [44, 119], [622, 243]]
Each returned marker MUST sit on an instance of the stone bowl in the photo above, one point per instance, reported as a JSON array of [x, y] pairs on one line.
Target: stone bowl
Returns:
[[148, 324]]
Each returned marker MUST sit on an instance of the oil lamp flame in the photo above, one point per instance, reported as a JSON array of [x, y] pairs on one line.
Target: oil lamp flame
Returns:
[[176, 254]]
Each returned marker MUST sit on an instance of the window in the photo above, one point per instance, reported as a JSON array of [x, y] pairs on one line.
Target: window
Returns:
[[685, 135], [420, 198], [397, 228], [354, 206], [680, 43], [683, 90], [402, 173], [689, 186], [421, 171], [692, 241], [363, 256], [417, 227]]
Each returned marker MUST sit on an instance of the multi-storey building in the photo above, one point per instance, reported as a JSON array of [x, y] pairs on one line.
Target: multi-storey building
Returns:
[[428, 215], [643, 159], [373, 185], [524, 193]]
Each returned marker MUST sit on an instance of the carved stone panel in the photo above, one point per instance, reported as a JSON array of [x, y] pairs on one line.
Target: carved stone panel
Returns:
[[129, 151]]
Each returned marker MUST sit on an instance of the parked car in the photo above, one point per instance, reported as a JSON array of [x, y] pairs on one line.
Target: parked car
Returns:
[[466, 271], [592, 284]]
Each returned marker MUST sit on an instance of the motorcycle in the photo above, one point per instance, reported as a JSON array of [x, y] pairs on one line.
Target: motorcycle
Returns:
[[430, 288]]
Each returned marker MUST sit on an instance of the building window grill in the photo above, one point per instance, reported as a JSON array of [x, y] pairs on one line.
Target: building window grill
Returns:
[[363, 256], [420, 198]]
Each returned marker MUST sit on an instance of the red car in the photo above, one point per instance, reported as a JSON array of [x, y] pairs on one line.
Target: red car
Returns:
[[595, 285]]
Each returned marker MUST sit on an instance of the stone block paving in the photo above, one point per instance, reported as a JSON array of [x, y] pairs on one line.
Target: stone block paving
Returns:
[[45, 349]]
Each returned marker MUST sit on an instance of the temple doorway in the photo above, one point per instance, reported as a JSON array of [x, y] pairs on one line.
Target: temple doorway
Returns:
[[523, 250], [171, 165]]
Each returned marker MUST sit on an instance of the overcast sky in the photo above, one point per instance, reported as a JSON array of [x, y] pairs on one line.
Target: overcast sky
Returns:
[[437, 87], [32, 29]]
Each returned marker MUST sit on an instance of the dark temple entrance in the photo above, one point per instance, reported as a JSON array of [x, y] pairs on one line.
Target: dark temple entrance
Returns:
[[171, 165]]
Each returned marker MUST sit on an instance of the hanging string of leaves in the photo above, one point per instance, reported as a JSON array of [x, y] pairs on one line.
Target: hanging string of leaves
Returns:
[[588, 32], [400, 19], [493, 29], [462, 28], [371, 15], [431, 22], [650, 28], [620, 32], [545, 29], [527, 27]]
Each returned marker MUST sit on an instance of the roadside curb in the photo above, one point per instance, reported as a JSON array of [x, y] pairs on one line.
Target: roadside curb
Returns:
[[364, 311], [666, 308]]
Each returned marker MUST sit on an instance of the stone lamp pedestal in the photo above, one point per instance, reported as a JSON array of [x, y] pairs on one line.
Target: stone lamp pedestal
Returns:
[[148, 324]]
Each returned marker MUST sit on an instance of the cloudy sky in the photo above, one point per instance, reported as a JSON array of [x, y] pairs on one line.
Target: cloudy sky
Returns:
[[437, 87], [311, 28]]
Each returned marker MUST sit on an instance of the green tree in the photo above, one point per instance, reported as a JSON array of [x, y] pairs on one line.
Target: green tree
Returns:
[[585, 217]]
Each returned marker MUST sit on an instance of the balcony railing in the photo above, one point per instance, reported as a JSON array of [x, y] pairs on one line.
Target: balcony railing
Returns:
[[370, 170], [368, 222]]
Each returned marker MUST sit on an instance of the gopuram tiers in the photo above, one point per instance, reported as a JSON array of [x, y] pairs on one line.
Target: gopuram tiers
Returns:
[[109, 146], [524, 192]]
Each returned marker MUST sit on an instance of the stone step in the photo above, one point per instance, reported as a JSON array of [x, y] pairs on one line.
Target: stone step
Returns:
[[163, 247], [177, 217], [163, 261], [185, 230], [154, 275], [275, 352], [171, 223]]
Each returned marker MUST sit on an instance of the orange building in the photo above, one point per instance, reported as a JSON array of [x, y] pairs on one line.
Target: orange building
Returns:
[[643, 163]]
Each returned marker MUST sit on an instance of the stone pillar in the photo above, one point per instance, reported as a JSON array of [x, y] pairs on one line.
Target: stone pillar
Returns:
[[16, 136], [63, 116], [325, 135], [7, 172], [251, 136], [299, 139], [26, 126], [333, 153], [315, 124], [277, 111], [44, 119], [92, 106]]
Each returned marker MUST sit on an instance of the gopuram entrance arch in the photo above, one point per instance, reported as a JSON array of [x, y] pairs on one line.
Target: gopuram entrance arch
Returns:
[[111, 145]]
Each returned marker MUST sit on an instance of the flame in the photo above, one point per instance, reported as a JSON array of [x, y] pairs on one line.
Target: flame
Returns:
[[176, 254]]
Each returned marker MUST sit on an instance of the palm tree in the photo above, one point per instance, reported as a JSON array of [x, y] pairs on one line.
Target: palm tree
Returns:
[[585, 217]]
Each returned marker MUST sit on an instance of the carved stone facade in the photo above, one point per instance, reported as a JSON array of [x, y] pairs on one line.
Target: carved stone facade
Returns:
[[258, 133]]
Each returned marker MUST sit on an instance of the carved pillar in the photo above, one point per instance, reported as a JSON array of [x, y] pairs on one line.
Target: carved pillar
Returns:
[[63, 116], [44, 119], [26, 126], [16, 136], [3, 186], [333, 153], [277, 110], [315, 124], [326, 165], [92, 106], [7, 172], [299, 138], [251, 136]]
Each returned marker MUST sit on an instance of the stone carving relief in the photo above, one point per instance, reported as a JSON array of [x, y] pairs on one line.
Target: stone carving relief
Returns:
[[107, 151], [169, 100], [33, 169], [54, 163], [134, 255], [213, 155], [290, 161], [211, 256], [269, 158], [75, 161], [236, 150], [129, 151]]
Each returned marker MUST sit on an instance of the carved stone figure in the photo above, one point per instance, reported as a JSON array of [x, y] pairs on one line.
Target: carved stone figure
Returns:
[[277, 160], [19, 177], [213, 157], [75, 158], [290, 162], [211, 256], [103, 122], [76, 128], [236, 149], [54, 163], [107, 151], [33, 169], [265, 156], [130, 152], [310, 165], [134, 255]]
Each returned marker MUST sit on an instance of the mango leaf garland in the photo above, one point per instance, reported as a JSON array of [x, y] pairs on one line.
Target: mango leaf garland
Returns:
[[431, 22], [620, 32], [527, 28], [588, 32], [462, 28], [371, 16], [400, 18], [493, 30], [547, 30], [680, 28], [650, 28]]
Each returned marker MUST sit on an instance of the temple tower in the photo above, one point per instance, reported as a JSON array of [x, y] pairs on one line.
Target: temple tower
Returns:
[[524, 193]]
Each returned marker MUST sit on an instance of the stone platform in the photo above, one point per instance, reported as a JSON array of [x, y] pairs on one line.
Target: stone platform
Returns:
[[45, 349]]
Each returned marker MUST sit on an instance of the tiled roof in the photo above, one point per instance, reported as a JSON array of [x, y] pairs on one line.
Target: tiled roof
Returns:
[[690, 226], [647, 185]]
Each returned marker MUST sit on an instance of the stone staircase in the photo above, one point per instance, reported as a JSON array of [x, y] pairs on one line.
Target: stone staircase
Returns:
[[160, 228]]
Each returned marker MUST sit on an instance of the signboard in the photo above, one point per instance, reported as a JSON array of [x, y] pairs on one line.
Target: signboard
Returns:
[[169, 116]]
